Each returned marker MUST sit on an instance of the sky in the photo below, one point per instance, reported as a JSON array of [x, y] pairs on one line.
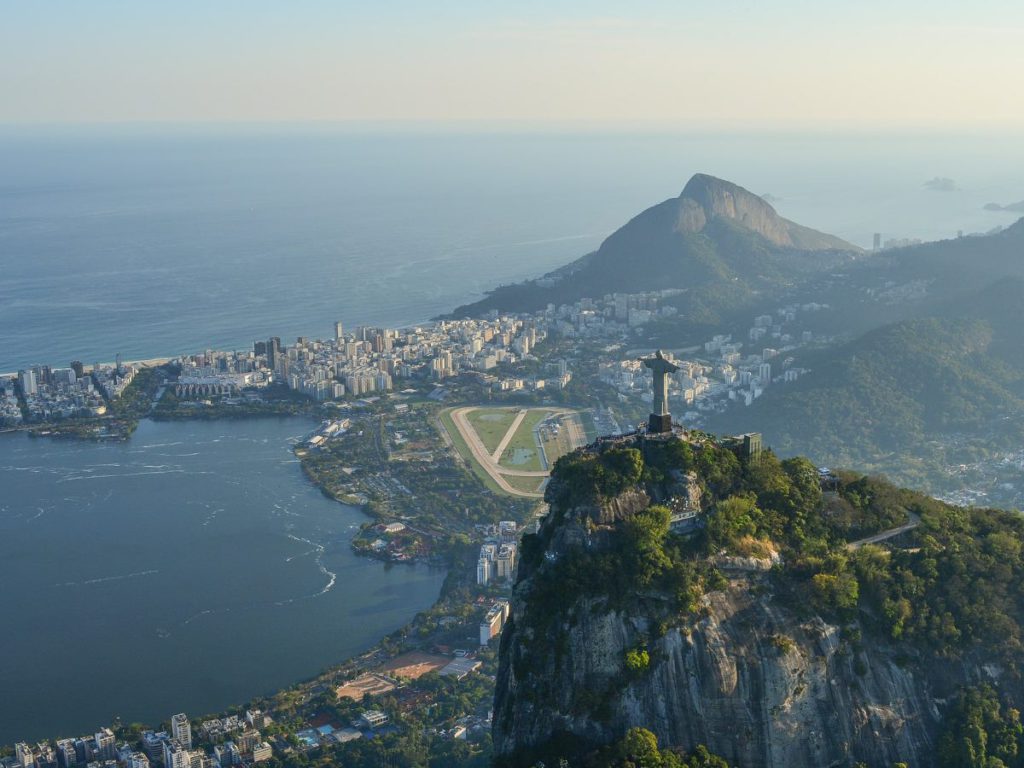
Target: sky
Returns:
[[737, 64]]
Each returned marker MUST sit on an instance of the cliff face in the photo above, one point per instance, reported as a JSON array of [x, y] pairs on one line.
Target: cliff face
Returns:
[[742, 674], [748, 680], [705, 198]]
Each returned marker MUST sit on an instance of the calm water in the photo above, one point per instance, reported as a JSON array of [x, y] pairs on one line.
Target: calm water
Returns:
[[159, 242], [189, 569]]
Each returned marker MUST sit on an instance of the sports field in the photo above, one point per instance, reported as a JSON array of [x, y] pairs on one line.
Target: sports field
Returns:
[[491, 424], [513, 449]]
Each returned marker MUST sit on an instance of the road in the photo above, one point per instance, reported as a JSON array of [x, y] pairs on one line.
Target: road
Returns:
[[915, 520], [508, 436]]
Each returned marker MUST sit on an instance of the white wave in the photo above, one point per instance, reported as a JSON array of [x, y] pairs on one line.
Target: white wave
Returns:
[[104, 579], [195, 616], [126, 474]]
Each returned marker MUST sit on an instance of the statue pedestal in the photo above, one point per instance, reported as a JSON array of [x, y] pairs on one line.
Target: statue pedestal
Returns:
[[659, 423]]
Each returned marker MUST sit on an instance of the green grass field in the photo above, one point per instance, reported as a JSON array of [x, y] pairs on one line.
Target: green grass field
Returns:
[[467, 455], [522, 451], [491, 424], [527, 484]]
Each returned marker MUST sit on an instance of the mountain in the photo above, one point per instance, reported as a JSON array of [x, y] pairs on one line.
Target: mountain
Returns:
[[769, 632], [955, 267], [948, 385], [705, 198], [719, 241]]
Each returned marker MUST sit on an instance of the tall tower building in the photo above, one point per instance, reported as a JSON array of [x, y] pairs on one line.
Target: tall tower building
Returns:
[[27, 382], [878, 241], [339, 333], [181, 731], [273, 351]]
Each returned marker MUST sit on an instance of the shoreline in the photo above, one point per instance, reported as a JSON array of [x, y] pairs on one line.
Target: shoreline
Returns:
[[155, 361], [152, 362]]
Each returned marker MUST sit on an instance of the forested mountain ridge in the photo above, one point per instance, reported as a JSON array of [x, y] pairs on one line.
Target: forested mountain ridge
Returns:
[[886, 399], [769, 633]]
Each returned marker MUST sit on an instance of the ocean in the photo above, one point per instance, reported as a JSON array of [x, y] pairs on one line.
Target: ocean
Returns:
[[160, 241]]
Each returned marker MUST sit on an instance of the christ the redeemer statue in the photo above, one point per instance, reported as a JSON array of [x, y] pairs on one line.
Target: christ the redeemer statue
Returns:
[[661, 419]]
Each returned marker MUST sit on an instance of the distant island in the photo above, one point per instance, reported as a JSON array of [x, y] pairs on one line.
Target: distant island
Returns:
[[1017, 207], [941, 184]]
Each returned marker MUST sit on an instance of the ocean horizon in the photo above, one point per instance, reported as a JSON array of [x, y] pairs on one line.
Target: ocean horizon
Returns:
[[168, 241]]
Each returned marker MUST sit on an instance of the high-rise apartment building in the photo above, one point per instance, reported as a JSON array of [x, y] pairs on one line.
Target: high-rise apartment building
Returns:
[[181, 731]]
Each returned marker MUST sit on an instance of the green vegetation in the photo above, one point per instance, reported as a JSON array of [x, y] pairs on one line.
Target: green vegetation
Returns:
[[438, 497], [448, 424], [637, 660], [948, 588], [412, 744], [491, 424], [522, 451], [275, 400], [122, 417], [527, 484], [639, 749], [586, 477], [557, 445], [727, 266], [981, 732], [137, 398], [910, 398]]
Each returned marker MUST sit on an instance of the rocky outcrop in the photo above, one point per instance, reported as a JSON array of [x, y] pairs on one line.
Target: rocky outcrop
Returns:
[[705, 198], [746, 675], [747, 679]]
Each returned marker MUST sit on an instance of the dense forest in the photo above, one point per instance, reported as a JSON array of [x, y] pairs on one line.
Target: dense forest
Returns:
[[908, 397]]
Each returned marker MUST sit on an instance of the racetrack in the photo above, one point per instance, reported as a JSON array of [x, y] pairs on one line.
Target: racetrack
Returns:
[[488, 460]]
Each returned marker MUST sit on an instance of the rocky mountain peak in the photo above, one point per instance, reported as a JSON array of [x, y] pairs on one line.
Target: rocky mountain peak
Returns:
[[706, 197]]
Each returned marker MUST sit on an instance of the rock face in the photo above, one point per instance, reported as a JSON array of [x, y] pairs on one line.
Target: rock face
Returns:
[[705, 198], [744, 675], [747, 680]]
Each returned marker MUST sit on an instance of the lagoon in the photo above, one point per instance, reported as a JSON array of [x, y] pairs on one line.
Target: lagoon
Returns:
[[188, 569]]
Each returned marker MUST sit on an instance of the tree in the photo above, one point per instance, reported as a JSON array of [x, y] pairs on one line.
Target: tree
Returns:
[[733, 518], [981, 733]]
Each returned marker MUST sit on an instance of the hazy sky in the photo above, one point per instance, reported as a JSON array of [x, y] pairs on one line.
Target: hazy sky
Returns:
[[701, 64]]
